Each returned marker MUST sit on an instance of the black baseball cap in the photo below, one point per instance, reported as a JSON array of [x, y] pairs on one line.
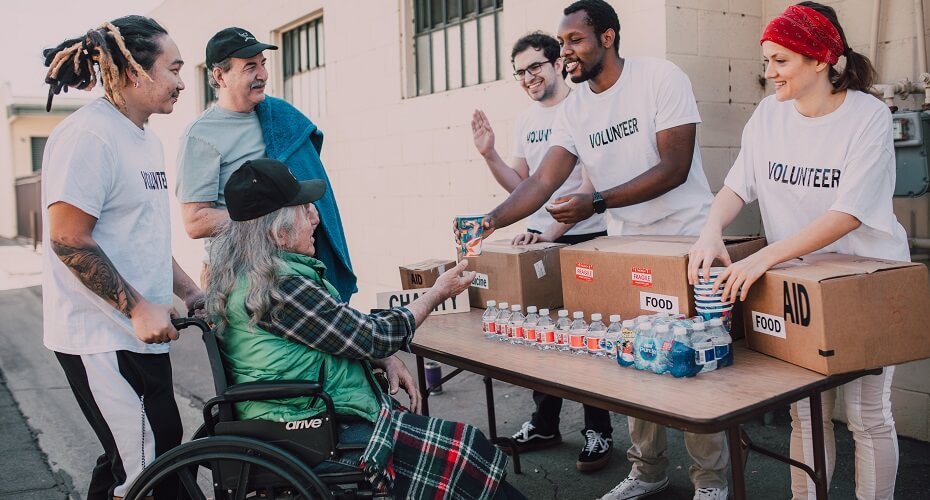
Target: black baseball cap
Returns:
[[234, 42], [260, 187]]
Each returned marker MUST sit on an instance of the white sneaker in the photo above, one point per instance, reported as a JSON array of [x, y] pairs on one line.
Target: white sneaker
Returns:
[[710, 493], [632, 488]]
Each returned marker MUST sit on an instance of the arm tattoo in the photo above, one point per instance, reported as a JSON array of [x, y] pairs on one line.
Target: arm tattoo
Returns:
[[97, 273]]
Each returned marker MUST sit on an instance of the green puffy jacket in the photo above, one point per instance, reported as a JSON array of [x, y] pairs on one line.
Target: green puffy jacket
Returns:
[[251, 353]]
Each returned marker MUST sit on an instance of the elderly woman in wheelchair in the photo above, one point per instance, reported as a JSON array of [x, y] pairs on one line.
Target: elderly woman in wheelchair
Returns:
[[278, 319]]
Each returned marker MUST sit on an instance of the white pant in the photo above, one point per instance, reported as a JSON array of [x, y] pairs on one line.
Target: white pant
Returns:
[[868, 411]]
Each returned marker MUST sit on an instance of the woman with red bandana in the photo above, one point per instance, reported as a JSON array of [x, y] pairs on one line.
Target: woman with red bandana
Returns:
[[819, 157]]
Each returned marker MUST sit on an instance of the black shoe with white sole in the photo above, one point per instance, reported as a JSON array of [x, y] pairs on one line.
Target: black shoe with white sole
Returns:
[[528, 438], [596, 452]]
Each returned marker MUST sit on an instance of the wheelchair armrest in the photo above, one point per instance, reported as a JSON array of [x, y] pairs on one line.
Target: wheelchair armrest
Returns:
[[278, 389], [265, 390]]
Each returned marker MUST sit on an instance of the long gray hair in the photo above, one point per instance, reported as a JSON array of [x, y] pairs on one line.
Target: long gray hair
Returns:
[[250, 249]]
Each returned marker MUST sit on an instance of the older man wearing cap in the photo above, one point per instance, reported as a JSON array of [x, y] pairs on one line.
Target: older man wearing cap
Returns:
[[295, 328], [243, 125]]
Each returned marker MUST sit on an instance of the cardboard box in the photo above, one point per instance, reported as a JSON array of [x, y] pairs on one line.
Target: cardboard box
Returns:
[[423, 274], [634, 275], [834, 313], [528, 275]]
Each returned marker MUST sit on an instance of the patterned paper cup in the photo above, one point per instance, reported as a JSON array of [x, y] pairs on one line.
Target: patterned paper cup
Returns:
[[471, 229]]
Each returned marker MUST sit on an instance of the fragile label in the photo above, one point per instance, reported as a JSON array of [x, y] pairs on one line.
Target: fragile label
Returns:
[[480, 281], [584, 272], [658, 303], [540, 269], [641, 276], [768, 324]]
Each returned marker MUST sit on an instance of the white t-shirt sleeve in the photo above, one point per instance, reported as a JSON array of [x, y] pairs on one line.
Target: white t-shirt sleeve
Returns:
[[867, 186], [561, 134], [198, 171], [742, 176], [80, 173], [675, 103]]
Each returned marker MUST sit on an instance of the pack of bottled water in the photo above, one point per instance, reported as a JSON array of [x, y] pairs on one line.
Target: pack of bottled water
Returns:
[[660, 343]]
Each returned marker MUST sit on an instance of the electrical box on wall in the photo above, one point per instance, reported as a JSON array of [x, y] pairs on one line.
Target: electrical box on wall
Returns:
[[911, 131]]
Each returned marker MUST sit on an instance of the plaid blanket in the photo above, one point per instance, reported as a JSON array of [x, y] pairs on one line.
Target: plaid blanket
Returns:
[[430, 458]]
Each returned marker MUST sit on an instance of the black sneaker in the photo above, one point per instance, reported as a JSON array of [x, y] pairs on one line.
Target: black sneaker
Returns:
[[596, 451], [528, 439]]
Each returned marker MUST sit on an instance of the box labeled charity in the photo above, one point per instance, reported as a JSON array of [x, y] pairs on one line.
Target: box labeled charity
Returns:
[[636, 275], [834, 313], [517, 274], [423, 274]]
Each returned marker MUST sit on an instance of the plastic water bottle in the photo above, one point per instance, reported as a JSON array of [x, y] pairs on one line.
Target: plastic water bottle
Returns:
[[625, 355], [682, 357], [611, 341], [577, 333], [489, 320], [597, 331], [644, 346], [503, 322], [516, 325], [545, 329], [563, 326], [664, 343], [723, 343], [703, 345], [529, 327]]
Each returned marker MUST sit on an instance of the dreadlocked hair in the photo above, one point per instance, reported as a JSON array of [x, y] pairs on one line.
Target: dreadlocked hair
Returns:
[[126, 44]]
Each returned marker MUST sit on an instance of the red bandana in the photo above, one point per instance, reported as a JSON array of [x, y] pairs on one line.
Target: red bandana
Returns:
[[807, 32]]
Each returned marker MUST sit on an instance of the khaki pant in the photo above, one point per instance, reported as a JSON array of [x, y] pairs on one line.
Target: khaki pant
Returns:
[[709, 451], [868, 412]]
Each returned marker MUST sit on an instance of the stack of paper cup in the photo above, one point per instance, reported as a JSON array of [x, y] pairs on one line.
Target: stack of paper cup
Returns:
[[710, 305]]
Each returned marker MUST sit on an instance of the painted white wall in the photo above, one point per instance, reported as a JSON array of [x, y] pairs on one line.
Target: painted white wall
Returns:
[[403, 167]]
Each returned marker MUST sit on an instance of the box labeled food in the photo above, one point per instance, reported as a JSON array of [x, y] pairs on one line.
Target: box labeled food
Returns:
[[634, 275], [528, 275], [834, 313], [423, 274]]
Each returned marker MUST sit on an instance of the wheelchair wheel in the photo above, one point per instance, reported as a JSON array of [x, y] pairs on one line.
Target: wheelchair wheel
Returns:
[[227, 468]]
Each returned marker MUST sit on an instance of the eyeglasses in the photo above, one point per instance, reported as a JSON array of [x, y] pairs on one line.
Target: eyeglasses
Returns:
[[533, 69]]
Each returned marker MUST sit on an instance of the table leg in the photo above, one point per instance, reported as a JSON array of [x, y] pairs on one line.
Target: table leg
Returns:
[[424, 391], [737, 463], [817, 438], [492, 426]]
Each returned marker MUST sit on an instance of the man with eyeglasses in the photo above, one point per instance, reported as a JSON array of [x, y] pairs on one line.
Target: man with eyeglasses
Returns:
[[538, 68]]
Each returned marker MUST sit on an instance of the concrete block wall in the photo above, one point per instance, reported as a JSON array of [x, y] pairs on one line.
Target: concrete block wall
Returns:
[[716, 43], [403, 167]]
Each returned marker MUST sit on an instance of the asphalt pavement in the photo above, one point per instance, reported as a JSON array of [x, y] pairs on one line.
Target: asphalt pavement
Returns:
[[48, 449]]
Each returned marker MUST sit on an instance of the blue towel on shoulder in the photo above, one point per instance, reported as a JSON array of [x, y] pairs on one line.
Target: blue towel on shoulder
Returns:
[[291, 137]]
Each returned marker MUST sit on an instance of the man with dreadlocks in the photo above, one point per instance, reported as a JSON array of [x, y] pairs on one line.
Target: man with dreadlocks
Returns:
[[109, 277], [247, 125]]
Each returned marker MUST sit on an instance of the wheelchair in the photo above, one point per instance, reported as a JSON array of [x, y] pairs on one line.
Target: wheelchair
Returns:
[[231, 459]]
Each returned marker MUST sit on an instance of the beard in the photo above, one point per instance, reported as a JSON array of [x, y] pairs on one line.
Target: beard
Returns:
[[589, 73]]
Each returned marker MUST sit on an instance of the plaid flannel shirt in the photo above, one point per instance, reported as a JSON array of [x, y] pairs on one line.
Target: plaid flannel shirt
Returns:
[[309, 315]]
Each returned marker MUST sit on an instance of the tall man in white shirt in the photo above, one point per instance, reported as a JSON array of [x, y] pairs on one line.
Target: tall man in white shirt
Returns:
[[632, 122], [539, 70]]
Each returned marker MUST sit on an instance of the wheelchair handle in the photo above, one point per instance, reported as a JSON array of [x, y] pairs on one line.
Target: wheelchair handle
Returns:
[[182, 323]]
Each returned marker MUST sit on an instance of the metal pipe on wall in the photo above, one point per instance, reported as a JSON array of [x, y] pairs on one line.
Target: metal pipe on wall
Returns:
[[921, 37], [873, 37]]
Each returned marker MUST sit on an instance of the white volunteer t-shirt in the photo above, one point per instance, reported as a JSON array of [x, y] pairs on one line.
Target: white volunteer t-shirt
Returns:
[[532, 132], [799, 168], [100, 162], [614, 134]]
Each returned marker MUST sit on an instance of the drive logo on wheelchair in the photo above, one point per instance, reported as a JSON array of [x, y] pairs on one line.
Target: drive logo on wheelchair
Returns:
[[314, 423]]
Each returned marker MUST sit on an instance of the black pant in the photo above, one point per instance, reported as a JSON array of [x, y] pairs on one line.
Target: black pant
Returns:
[[148, 377], [546, 416]]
